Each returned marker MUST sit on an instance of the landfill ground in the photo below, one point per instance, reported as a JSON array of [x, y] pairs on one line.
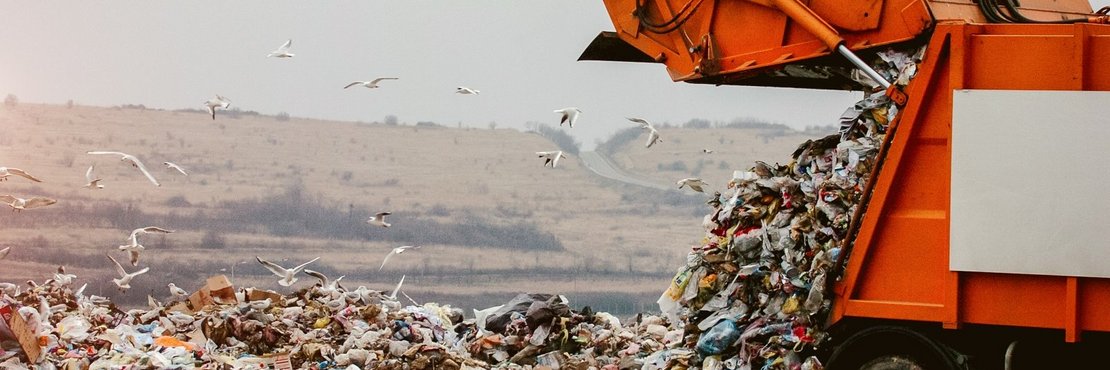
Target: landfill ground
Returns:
[[633, 242], [752, 292]]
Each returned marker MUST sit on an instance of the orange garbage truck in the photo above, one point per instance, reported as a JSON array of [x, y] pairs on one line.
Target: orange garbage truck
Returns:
[[980, 240]]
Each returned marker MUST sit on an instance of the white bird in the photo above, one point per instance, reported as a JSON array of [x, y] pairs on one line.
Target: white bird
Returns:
[[4, 252], [551, 157], [466, 91], [397, 250], [287, 275], [135, 162], [326, 285], [653, 137], [9, 171], [94, 182], [176, 167], [177, 293], [570, 115], [379, 219], [62, 279], [124, 281], [372, 84], [393, 295], [217, 102], [133, 247], [707, 151], [643, 122], [693, 183], [282, 51], [20, 204]]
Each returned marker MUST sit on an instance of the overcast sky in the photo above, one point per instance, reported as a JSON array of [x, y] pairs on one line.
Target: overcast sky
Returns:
[[520, 54]]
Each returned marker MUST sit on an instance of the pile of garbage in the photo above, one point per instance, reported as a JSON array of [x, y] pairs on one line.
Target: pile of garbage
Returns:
[[324, 326], [753, 294]]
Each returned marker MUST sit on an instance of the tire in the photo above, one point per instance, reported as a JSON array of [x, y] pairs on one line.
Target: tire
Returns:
[[891, 348]]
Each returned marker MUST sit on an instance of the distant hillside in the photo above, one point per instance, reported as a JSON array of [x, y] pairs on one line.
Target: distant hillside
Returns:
[[480, 201], [734, 146]]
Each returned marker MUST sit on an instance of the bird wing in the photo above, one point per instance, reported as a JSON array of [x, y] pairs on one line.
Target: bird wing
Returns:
[[555, 162], [38, 202], [7, 199], [385, 260], [155, 229], [353, 83], [176, 167], [102, 152], [88, 174], [4, 252], [286, 45], [142, 168], [323, 278], [273, 267], [381, 216], [396, 289], [19, 172], [211, 110], [301, 266], [140, 272], [380, 79], [641, 121], [573, 116], [119, 268]]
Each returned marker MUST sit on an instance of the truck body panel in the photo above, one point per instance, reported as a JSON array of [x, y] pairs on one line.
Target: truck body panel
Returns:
[[898, 267]]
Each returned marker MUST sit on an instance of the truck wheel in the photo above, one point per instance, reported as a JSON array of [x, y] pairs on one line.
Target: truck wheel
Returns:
[[891, 348]]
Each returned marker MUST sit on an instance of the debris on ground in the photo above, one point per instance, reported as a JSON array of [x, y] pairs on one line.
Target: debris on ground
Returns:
[[751, 296]]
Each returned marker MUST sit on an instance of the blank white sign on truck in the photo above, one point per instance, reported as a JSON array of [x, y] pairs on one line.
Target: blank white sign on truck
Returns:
[[1031, 182]]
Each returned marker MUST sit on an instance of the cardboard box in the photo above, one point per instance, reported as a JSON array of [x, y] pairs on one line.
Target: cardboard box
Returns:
[[27, 339], [261, 295], [221, 290], [200, 299]]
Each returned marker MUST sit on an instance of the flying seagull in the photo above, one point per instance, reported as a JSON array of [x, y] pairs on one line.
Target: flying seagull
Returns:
[[379, 219], [397, 250], [135, 162], [217, 102], [372, 84], [466, 91], [9, 171], [693, 183], [124, 281], [133, 247], [94, 182], [326, 284], [282, 51], [707, 151], [176, 167], [287, 275], [20, 204], [570, 115], [551, 157], [653, 137]]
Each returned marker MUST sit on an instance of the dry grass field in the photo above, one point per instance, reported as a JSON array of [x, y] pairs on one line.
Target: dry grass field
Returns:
[[680, 154], [568, 231]]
